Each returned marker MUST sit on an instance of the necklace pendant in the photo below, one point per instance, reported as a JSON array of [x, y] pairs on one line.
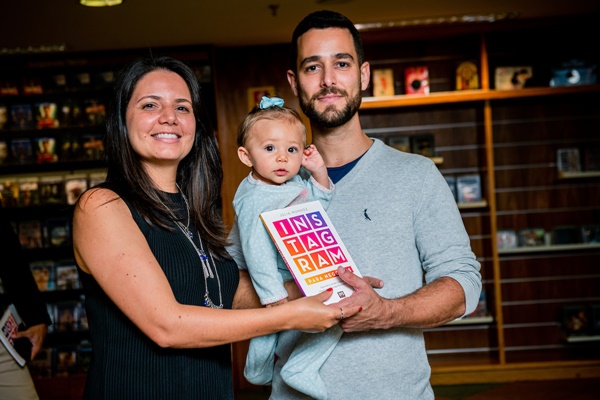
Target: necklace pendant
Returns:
[[191, 234]]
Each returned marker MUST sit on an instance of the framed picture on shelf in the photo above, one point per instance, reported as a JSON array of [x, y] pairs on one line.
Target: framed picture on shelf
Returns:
[[416, 80], [510, 78], [590, 233], [423, 144], [532, 237], [506, 239], [467, 77], [575, 320], [400, 142], [383, 82], [568, 160], [468, 188]]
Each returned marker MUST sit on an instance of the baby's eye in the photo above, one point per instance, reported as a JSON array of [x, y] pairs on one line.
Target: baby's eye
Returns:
[[269, 148], [292, 150]]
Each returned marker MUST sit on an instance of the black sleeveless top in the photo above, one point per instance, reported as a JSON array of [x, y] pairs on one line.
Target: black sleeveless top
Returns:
[[126, 364]]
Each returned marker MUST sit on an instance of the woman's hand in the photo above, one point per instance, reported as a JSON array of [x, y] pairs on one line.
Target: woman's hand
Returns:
[[311, 315], [36, 335]]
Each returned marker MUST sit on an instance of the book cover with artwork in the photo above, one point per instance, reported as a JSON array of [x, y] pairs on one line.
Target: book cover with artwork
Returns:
[[43, 274], [9, 191], [57, 232], [21, 151], [51, 189], [423, 144], [531, 237], [451, 181], [3, 152], [510, 78], [93, 146], [45, 149], [22, 116], [311, 248], [46, 115], [9, 87], [67, 277], [3, 116], [417, 80], [383, 82], [568, 160], [75, 185], [32, 85], [400, 142], [30, 234], [467, 77], [29, 194], [95, 111], [468, 188], [97, 178], [19, 349]]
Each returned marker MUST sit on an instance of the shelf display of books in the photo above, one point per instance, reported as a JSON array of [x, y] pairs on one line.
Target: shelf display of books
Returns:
[[47, 189], [559, 238]]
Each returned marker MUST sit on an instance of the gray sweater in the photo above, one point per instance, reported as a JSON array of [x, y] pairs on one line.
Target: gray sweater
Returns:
[[397, 217]]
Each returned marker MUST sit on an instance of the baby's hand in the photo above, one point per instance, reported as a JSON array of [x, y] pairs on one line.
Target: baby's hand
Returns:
[[315, 164], [312, 159]]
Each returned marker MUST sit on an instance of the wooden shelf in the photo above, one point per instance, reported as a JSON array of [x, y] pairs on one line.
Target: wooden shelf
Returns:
[[474, 204], [488, 319], [551, 248], [580, 339], [578, 175], [470, 95]]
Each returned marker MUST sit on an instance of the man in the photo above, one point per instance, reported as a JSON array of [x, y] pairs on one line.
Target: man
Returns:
[[21, 290], [397, 218]]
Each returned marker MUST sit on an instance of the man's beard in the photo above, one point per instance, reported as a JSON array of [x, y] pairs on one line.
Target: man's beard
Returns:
[[330, 117]]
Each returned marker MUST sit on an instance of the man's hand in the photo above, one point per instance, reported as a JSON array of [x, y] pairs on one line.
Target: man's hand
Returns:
[[374, 307], [36, 335]]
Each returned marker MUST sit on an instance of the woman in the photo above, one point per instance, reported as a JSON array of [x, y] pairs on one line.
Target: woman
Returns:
[[150, 245]]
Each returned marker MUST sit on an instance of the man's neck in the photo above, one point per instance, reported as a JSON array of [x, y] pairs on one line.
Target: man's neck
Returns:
[[341, 145]]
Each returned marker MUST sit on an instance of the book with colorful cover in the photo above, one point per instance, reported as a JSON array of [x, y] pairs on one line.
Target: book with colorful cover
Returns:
[[17, 348], [311, 248]]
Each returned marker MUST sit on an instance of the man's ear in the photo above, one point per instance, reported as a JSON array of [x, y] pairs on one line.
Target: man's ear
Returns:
[[291, 76], [244, 156], [365, 75]]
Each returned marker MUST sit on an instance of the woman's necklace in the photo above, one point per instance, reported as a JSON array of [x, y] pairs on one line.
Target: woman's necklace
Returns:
[[204, 259]]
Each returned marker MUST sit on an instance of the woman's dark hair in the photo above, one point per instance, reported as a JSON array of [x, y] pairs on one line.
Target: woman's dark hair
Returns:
[[322, 20], [199, 174]]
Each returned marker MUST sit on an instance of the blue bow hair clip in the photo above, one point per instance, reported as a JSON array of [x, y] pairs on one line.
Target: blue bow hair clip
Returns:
[[267, 102]]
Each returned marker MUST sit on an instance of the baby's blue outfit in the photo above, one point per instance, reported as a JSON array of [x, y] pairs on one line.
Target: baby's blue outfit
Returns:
[[268, 271]]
